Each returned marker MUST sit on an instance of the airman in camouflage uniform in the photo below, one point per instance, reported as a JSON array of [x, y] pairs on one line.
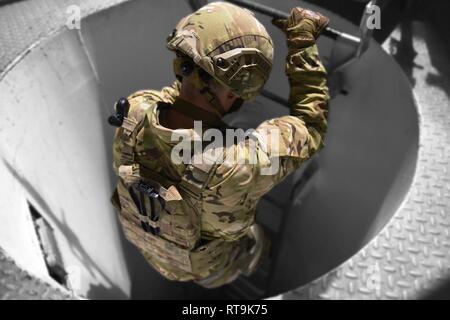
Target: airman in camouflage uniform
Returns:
[[195, 221]]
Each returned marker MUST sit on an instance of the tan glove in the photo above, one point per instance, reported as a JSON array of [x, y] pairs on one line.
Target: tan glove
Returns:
[[302, 28]]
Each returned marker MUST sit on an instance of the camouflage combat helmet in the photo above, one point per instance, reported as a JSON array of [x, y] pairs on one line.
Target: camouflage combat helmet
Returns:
[[229, 44]]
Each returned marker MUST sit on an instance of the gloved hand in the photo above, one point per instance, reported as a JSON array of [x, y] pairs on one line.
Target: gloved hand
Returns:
[[302, 28]]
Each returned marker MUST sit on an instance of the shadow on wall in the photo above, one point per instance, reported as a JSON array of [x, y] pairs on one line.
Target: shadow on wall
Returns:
[[75, 245], [5, 2], [403, 50], [425, 20], [437, 38]]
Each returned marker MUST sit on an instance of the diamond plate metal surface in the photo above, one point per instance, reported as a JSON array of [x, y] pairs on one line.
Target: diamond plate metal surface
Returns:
[[16, 283], [409, 257], [24, 24]]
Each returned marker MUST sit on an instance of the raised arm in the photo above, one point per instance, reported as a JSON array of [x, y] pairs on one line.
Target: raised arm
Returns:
[[302, 133], [284, 143]]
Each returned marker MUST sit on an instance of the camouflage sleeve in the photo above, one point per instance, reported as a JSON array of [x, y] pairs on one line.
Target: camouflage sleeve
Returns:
[[295, 138], [283, 144]]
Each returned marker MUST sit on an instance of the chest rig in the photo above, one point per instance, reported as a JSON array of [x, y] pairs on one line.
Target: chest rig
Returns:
[[160, 216]]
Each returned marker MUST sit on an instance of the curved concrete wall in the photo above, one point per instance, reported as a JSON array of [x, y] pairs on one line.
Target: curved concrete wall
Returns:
[[55, 151], [54, 145]]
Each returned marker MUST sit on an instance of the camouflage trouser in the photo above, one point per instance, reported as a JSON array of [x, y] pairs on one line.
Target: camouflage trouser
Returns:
[[244, 260]]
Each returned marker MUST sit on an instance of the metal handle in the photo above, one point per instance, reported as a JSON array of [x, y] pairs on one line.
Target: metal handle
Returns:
[[277, 14]]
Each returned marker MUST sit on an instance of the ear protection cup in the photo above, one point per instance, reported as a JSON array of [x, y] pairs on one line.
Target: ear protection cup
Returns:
[[183, 67], [186, 68]]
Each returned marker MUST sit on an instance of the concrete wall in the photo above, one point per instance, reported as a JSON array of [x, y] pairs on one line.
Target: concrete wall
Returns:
[[54, 146]]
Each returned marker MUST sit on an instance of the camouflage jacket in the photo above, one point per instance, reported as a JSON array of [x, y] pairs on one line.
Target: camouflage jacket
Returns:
[[212, 205]]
